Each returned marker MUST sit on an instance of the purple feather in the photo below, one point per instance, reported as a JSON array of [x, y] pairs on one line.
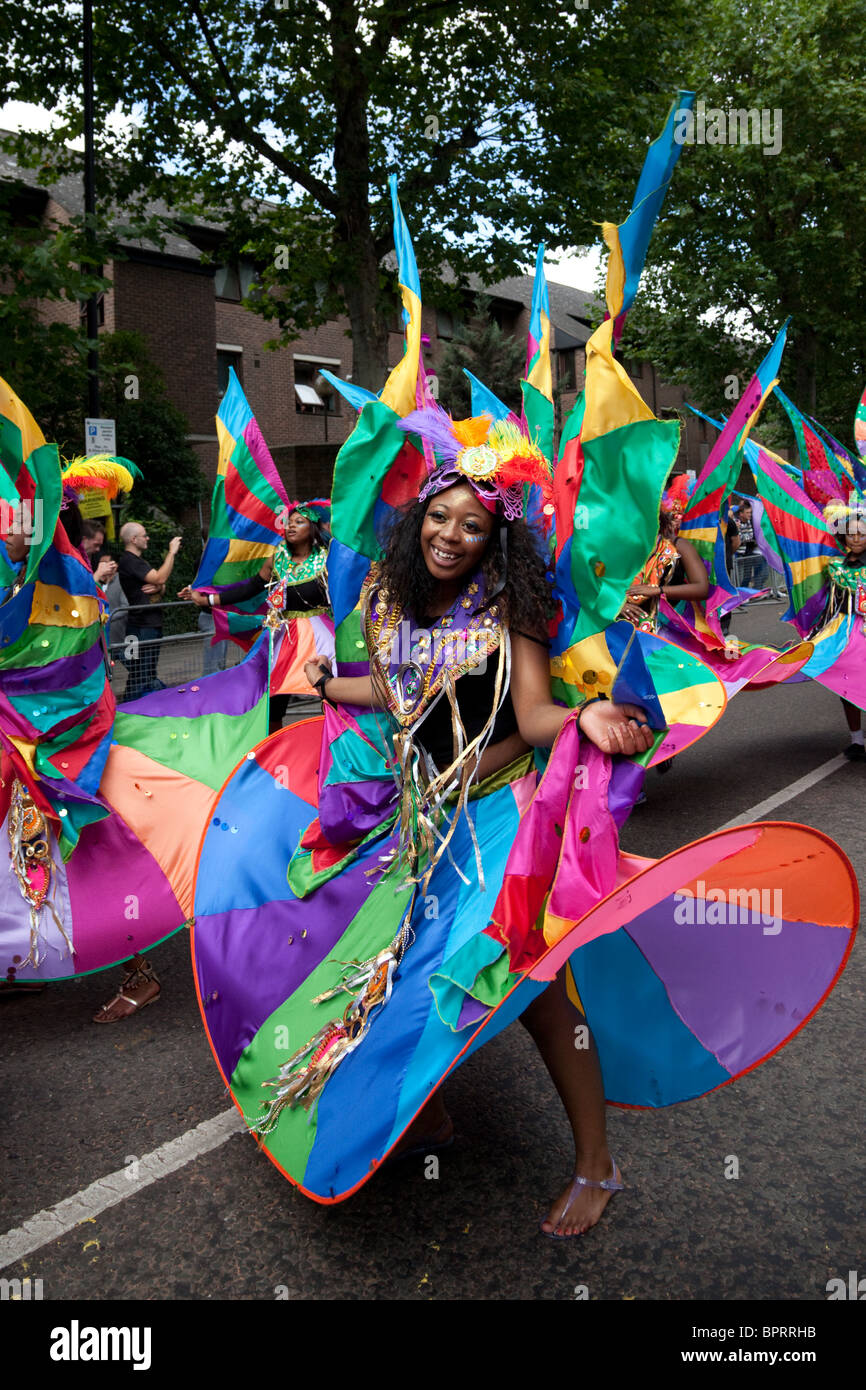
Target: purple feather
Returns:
[[434, 426]]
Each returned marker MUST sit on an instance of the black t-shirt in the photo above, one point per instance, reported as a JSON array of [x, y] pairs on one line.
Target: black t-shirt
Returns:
[[132, 571], [474, 691], [730, 534]]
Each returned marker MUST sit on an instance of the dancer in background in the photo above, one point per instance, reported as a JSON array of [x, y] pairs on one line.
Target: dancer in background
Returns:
[[294, 578]]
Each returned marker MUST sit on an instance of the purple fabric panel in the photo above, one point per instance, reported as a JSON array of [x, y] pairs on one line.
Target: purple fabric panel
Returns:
[[236, 593], [245, 957], [471, 1012], [624, 788], [811, 611], [349, 810], [121, 900], [773, 559], [235, 691], [57, 675], [751, 991]]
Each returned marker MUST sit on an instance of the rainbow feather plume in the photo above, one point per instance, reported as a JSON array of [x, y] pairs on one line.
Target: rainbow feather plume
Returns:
[[104, 471]]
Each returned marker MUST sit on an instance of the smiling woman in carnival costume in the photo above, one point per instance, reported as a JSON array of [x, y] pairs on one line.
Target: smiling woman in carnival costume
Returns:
[[446, 874]]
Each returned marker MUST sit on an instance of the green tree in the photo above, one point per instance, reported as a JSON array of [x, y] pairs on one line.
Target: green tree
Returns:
[[750, 237], [281, 119], [489, 353], [42, 353]]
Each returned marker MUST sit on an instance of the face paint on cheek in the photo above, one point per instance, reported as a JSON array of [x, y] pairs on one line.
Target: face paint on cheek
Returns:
[[475, 539]]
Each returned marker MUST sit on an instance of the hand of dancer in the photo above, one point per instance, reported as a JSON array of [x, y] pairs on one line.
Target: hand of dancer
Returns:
[[314, 671], [643, 591], [616, 728], [633, 612], [194, 596]]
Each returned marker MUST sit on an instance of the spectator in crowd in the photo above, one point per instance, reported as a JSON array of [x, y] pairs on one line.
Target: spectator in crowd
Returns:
[[93, 543], [754, 570], [732, 545], [143, 586]]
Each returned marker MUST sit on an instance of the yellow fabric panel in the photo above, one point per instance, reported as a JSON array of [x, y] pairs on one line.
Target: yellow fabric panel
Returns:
[[15, 410], [227, 443], [54, 607], [248, 550], [399, 389], [698, 704], [571, 989], [541, 376], [588, 665], [804, 569], [27, 750], [611, 399]]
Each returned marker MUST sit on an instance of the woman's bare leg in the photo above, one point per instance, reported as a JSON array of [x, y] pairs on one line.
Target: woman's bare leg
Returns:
[[553, 1023]]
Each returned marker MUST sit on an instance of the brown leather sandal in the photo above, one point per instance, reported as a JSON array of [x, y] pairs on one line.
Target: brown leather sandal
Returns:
[[136, 979]]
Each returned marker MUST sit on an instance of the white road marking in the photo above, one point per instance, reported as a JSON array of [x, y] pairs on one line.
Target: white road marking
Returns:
[[764, 808], [107, 1192], [91, 1201]]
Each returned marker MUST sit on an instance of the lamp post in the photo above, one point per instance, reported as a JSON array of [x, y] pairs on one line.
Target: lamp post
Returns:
[[92, 311]]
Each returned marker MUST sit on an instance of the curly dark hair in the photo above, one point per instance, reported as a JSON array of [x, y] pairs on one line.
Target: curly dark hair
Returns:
[[513, 552]]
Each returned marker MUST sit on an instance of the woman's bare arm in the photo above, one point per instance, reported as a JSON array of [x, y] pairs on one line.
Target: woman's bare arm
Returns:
[[612, 728]]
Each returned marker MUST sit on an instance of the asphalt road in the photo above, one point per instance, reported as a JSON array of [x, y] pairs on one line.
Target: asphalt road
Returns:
[[82, 1101]]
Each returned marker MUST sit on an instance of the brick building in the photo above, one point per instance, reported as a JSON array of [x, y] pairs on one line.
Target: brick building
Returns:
[[188, 308]]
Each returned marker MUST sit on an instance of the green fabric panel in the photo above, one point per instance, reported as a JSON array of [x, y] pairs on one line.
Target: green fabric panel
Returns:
[[205, 749], [573, 424], [372, 929], [353, 760], [60, 704], [675, 670], [78, 815], [11, 457], [218, 526], [539, 416], [480, 968], [44, 467], [624, 476], [359, 472], [39, 646], [349, 644]]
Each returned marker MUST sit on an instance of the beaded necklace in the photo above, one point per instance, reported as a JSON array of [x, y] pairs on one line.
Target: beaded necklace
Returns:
[[412, 662], [298, 571]]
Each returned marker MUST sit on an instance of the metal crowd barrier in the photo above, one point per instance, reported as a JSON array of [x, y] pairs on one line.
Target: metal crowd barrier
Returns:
[[744, 567], [171, 658]]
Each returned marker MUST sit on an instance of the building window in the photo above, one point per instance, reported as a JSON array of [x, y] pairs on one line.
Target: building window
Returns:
[[448, 326], [234, 280], [634, 369], [228, 357], [565, 378], [314, 395]]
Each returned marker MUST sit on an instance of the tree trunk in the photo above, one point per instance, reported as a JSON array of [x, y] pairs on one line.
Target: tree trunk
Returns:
[[353, 232], [369, 325]]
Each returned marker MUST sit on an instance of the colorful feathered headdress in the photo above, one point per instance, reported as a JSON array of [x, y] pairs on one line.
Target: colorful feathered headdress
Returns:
[[105, 472], [676, 496], [496, 458], [317, 509]]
